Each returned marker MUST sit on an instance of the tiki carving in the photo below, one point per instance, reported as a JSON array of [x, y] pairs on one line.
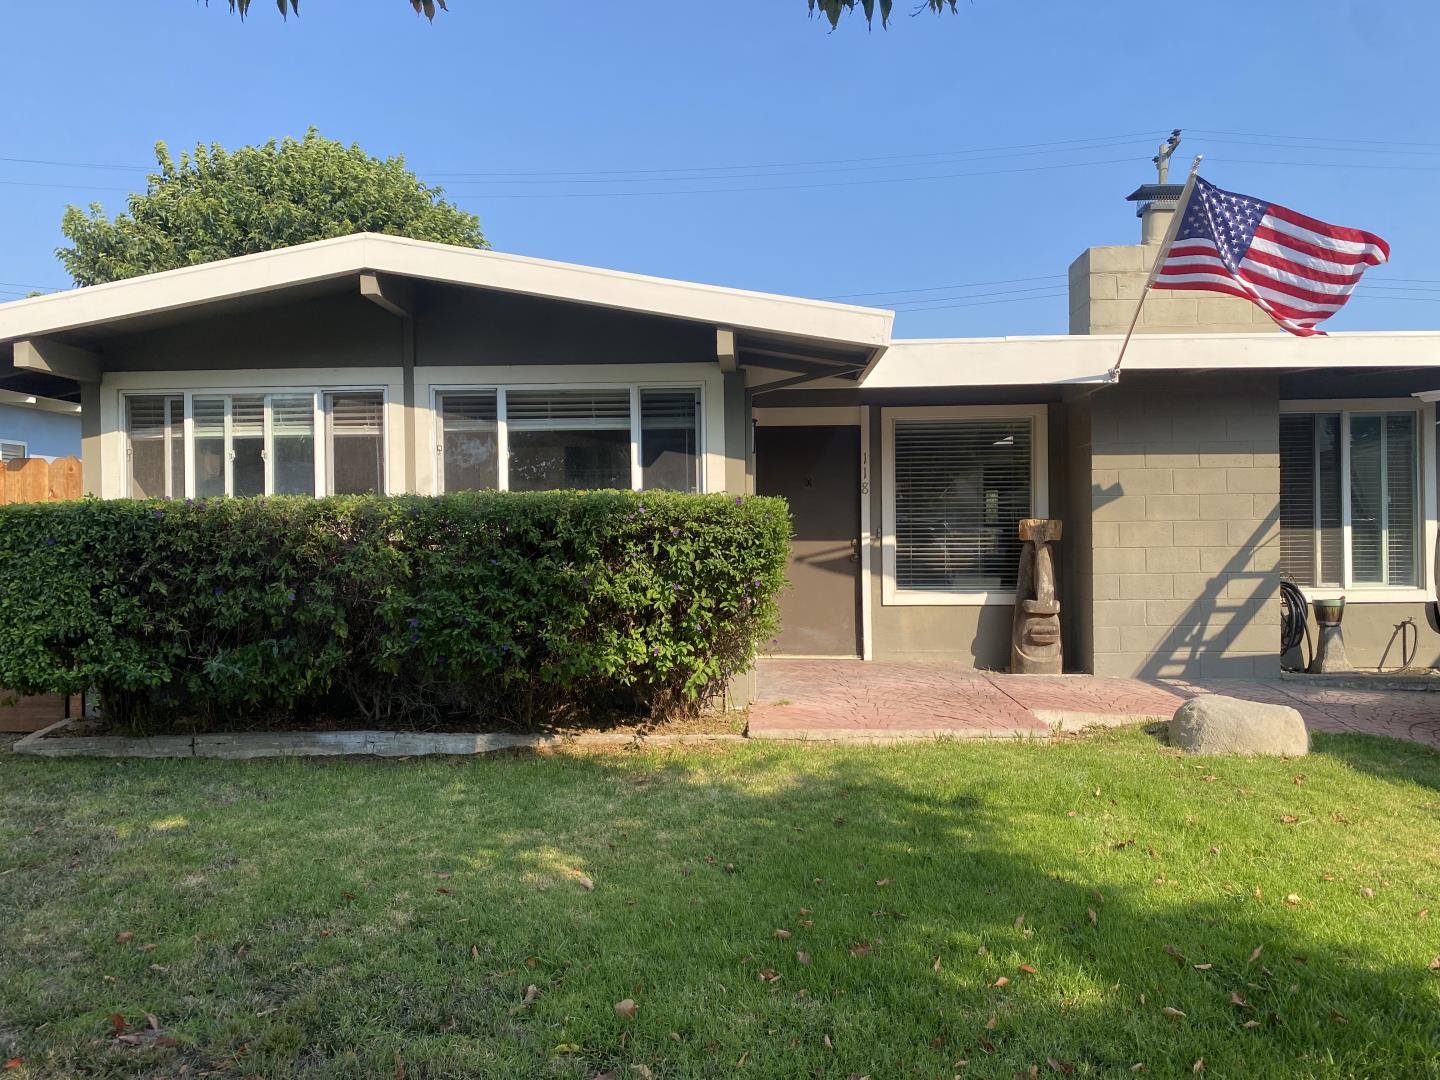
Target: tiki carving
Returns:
[[1035, 637]]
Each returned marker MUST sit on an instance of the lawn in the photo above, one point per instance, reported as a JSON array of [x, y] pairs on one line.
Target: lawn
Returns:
[[924, 910]]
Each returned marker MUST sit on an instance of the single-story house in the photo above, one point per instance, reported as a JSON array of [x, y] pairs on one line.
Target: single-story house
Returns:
[[1225, 454]]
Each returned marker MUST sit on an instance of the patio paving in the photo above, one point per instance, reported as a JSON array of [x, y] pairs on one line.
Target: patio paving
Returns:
[[821, 699]]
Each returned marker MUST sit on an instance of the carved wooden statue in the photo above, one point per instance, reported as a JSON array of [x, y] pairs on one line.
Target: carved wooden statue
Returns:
[[1035, 638]]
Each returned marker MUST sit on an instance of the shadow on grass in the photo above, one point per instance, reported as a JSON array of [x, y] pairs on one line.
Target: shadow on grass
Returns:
[[386, 919]]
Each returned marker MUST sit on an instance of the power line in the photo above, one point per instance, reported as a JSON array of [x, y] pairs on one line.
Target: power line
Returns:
[[1309, 138], [941, 288]]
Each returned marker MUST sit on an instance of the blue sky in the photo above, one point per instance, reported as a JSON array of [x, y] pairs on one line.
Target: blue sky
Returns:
[[742, 143]]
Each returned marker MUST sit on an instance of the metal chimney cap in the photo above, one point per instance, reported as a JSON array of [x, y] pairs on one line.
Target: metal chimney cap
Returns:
[[1154, 192]]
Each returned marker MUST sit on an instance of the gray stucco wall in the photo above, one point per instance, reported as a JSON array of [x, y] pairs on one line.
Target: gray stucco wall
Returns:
[[1185, 483], [45, 434], [1076, 562]]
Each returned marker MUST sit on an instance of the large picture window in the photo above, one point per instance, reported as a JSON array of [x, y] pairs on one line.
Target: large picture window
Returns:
[[1350, 506], [534, 439], [295, 442], [958, 486]]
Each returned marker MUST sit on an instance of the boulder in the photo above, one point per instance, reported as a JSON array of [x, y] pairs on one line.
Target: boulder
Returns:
[[1215, 724]]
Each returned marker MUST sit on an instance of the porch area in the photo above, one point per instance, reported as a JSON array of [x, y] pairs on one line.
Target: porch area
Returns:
[[850, 699]]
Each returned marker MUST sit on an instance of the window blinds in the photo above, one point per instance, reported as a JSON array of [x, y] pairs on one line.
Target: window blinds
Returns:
[[961, 488]]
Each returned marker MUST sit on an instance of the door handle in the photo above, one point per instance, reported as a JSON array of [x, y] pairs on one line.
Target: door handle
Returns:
[[854, 550]]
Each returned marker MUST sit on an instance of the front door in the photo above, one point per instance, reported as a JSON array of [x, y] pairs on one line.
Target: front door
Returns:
[[817, 470]]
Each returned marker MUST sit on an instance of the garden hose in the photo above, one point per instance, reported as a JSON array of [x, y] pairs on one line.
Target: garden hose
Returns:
[[1294, 620]]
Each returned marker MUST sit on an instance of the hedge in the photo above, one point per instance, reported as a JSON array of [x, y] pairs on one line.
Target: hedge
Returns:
[[491, 607]]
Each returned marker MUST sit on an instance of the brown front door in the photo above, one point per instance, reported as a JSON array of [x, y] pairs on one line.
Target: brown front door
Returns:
[[817, 470]]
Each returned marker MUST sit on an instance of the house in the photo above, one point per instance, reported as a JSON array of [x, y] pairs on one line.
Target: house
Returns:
[[1224, 455], [34, 424]]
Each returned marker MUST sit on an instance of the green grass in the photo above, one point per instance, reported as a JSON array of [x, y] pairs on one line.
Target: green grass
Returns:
[[356, 918]]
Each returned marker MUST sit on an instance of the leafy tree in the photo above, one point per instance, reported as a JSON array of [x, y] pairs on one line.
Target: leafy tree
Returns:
[[217, 203], [831, 9]]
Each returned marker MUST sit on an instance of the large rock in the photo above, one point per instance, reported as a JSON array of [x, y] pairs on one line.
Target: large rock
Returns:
[[1215, 724]]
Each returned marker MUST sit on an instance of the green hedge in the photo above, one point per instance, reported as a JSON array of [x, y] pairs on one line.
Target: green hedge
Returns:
[[404, 611]]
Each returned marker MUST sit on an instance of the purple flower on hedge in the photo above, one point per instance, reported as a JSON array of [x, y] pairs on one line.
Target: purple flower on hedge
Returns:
[[414, 622], [218, 591], [494, 562], [738, 500], [414, 638], [642, 508], [675, 530], [50, 541], [290, 597], [504, 648], [158, 513]]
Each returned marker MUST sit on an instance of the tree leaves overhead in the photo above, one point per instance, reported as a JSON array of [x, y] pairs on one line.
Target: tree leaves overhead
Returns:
[[287, 7], [833, 9], [215, 203]]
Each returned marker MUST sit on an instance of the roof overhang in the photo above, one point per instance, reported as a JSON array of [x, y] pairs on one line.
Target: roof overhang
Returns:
[[1083, 359], [346, 256]]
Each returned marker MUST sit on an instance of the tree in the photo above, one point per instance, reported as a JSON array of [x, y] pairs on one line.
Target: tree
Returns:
[[831, 9], [215, 204]]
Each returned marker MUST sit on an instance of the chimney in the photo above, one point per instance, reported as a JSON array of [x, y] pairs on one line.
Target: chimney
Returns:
[[1106, 282]]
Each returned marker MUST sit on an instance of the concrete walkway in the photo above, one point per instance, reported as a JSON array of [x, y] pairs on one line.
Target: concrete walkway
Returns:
[[853, 699]]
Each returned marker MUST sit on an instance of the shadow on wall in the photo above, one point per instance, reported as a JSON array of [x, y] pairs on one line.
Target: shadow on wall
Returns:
[[1222, 631]]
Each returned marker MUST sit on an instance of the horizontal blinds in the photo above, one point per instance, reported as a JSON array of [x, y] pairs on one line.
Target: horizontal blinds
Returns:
[[292, 415], [571, 410], [357, 414], [668, 409], [1298, 498], [146, 416], [208, 415], [961, 488], [468, 412], [247, 416], [11, 451], [1400, 499]]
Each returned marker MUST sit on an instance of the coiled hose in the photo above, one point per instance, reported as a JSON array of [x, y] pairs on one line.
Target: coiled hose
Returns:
[[1294, 620]]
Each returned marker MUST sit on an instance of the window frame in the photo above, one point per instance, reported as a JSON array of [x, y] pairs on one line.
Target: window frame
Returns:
[[1425, 443], [502, 432], [24, 448], [1038, 416], [319, 431]]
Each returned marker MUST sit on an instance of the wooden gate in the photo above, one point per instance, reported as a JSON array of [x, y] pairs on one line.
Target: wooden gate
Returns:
[[30, 480]]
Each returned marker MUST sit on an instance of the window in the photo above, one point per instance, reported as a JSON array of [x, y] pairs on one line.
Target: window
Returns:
[[568, 439], [1350, 513], [11, 451], [156, 451], [670, 440], [356, 434], [528, 439], [256, 443], [959, 482]]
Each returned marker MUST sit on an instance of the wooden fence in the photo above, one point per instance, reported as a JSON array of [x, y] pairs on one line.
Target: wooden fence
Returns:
[[28, 480]]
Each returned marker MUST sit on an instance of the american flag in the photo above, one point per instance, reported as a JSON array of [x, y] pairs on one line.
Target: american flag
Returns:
[[1298, 270]]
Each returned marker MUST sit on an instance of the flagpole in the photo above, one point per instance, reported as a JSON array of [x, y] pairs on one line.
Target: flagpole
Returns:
[[1113, 375]]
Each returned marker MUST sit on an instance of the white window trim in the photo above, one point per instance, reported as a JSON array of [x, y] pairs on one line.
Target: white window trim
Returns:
[[24, 447], [319, 413], [1425, 425], [1038, 415], [502, 428]]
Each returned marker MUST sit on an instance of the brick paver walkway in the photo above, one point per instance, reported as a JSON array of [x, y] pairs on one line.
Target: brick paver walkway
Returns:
[[820, 698]]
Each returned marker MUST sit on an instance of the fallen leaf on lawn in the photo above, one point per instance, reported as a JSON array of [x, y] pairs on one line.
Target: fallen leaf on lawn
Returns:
[[565, 1048], [1250, 1024], [443, 891], [860, 949], [963, 1063], [802, 957], [1368, 893], [828, 1044], [1175, 954], [14, 1063], [1139, 1066], [644, 1071], [1288, 819], [1199, 1066], [1001, 981], [1339, 1018], [1210, 779], [474, 952], [883, 882], [1172, 1013], [625, 1009], [936, 965], [743, 1057], [327, 933], [1098, 895], [167, 1042], [1214, 851], [1256, 954], [1327, 877], [161, 968], [730, 869], [1435, 964], [1202, 967], [937, 1042], [1237, 998], [1060, 1066], [1072, 813], [1029, 969], [1094, 919], [991, 1023], [982, 951], [769, 975], [1019, 921], [123, 936], [782, 935], [1423, 913], [583, 881], [1293, 899], [117, 1023]]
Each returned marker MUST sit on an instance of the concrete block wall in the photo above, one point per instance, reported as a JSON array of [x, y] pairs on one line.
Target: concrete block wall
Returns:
[[1105, 284], [1184, 490]]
